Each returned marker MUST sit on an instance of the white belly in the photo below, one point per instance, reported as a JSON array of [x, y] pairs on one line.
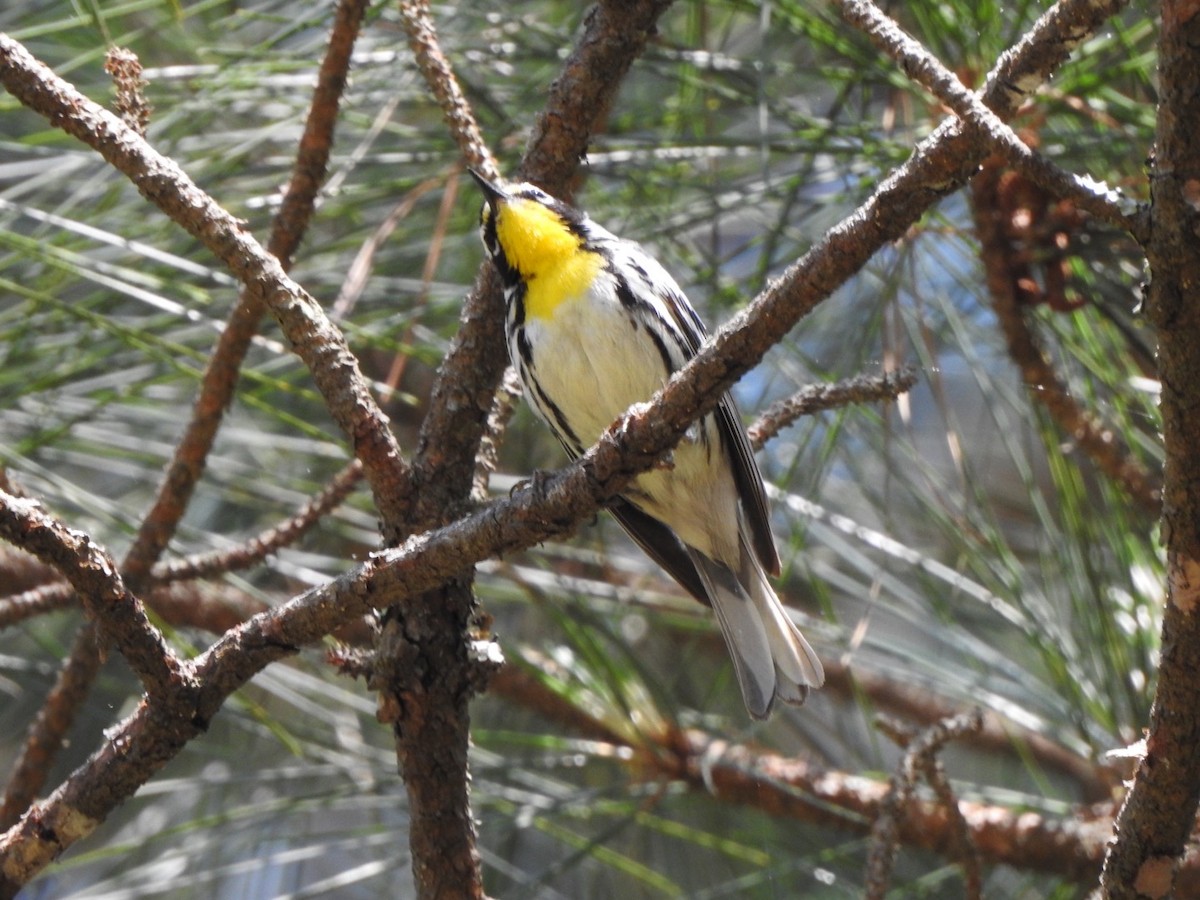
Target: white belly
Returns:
[[594, 380]]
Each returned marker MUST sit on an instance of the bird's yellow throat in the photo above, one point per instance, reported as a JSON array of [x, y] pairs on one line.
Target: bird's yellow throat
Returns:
[[549, 256]]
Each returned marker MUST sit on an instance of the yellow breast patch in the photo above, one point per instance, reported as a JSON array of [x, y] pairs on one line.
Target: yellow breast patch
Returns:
[[549, 255]]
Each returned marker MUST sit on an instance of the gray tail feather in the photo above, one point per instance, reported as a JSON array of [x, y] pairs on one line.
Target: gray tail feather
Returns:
[[770, 656]]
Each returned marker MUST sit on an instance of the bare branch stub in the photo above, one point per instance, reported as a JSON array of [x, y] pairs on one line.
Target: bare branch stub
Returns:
[[126, 70], [821, 397]]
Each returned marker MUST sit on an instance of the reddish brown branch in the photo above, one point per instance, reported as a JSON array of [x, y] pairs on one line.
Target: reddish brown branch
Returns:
[[321, 346], [35, 602], [221, 375], [1070, 847], [1099, 441], [316, 142], [50, 728]]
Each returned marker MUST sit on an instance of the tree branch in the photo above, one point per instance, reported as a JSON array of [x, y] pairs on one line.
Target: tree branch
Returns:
[[1100, 442], [321, 346], [821, 397], [1159, 813], [118, 614], [220, 377], [920, 757]]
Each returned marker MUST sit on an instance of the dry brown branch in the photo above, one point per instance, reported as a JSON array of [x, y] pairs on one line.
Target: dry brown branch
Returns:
[[442, 83], [20, 571], [508, 395], [59, 594], [35, 602], [964, 849], [1094, 781], [432, 256], [52, 724], [221, 375], [359, 271], [1070, 847]]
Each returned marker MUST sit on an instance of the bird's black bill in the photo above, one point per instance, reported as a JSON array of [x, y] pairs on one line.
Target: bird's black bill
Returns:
[[491, 191]]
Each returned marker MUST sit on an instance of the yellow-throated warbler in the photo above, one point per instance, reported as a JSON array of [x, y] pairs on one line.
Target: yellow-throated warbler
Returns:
[[595, 325]]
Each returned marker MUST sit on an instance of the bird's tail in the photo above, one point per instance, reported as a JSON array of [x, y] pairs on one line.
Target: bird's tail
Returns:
[[770, 655]]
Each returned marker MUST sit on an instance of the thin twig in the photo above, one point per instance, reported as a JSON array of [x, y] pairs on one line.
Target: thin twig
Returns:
[[439, 77], [357, 274], [821, 397], [920, 755], [59, 594], [503, 407], [432, 256], [256, 549], [964, 848], [35, 602]]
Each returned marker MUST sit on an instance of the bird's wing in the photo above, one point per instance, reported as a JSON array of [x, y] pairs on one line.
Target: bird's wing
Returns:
[[729, 423], [661, 545]]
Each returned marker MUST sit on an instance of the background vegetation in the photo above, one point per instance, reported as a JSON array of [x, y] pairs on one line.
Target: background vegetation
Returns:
[[967, 545]]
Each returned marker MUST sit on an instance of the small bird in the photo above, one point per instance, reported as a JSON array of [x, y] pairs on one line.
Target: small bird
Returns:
[[594, 325]]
